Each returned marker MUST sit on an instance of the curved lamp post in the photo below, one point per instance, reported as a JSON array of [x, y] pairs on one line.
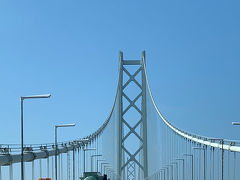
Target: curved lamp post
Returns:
[[22, 99], [95, 155], [56, 127], [222, 143], [84, 150], [180, 159], [176, 169], [190, 155], [204, 160], [102, 166], [99, 161]]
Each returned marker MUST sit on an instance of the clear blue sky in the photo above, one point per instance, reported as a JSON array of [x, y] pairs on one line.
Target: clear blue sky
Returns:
[[70, 49]]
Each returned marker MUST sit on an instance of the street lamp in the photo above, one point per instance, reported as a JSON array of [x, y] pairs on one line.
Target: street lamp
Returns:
[[235, 123], [22, 99], [96, 155], [222, 142], [109, 172], [105, 168], [101, 166], [162, 170], [89, 149], [167, 173], [176, 168], [179, 159], [204, 160], [190, 155], [56, 127], [98, 161], [170, 170]]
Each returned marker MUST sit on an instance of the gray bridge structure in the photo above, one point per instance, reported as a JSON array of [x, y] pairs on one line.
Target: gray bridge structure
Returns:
[[136, 142]]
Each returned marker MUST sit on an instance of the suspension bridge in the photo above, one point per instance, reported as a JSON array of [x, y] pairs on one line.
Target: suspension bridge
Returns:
[[135, 142]]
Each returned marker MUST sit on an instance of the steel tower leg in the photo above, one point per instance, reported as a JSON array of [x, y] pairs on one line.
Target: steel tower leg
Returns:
[[144, 116], [119, 158], [124, 127]]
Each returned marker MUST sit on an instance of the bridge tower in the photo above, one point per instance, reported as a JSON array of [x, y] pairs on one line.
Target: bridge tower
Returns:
[[132, 129]]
